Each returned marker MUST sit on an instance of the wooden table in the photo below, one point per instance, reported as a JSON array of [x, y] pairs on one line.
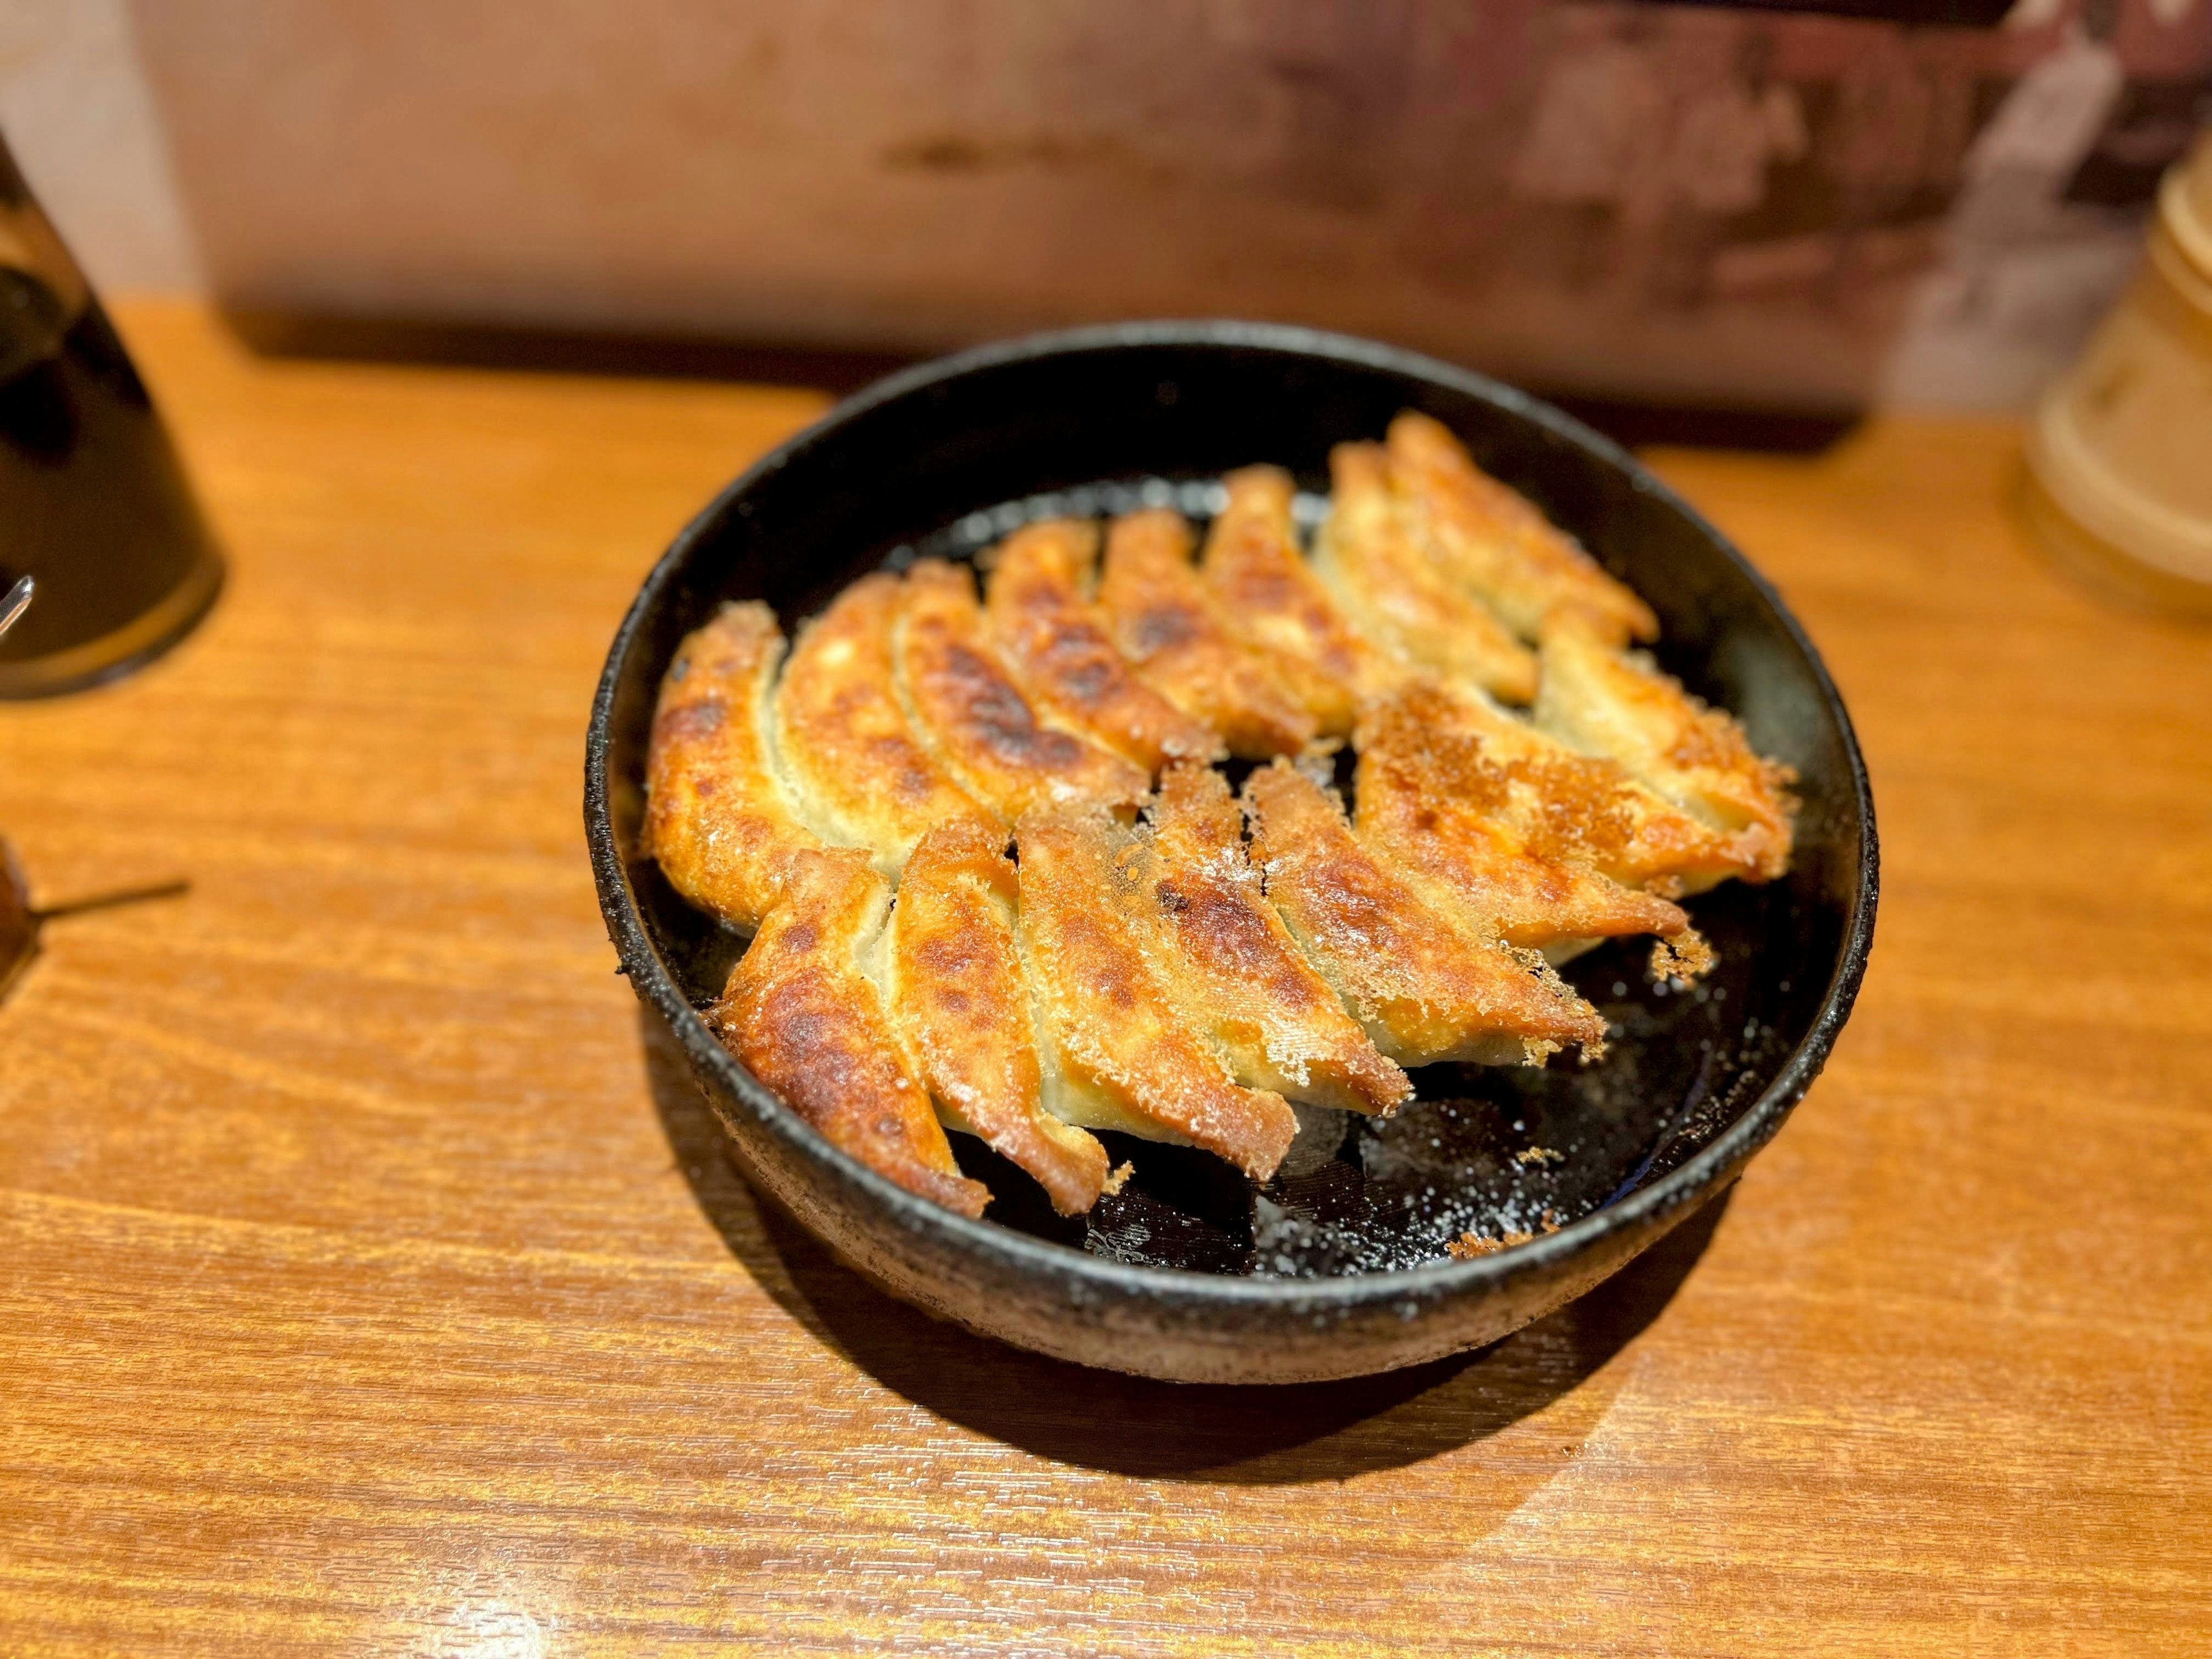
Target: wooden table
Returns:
[[374, 1283]]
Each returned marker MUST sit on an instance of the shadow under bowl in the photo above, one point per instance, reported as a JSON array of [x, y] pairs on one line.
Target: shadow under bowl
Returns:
[[1338, 1267]]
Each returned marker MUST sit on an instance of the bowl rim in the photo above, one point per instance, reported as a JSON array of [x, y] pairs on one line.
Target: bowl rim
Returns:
[[1093, 1277]]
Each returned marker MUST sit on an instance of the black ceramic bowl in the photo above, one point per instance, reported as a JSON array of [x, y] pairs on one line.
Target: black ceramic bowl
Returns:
[[1338, 1267]]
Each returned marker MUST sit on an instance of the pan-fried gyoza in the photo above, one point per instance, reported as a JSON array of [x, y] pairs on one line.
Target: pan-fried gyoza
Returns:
[[719, 818], [1619, 705], [1435, 795], [860, 774], [1497, 543], [1230, 962], [964, 1010], [1425, 981], [1061, 648], [1119, 1035], [804, 1015], [995, 883], [964, 705], [1282, 610], [1169, 627], [1398, 595]]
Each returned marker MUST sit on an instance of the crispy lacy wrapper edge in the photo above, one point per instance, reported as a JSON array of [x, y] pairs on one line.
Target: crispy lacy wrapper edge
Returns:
[[1426, 990]]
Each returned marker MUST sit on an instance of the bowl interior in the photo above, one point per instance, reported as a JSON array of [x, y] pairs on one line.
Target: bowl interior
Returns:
[[945, 460]]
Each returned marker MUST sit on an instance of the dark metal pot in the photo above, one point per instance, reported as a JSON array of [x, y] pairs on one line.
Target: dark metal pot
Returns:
[[1339, 1268]]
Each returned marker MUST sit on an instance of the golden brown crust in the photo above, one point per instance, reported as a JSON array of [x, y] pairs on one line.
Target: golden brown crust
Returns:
[[1565, 805], [1233, 967], [1425, 990], [717, 817], [1437, 798], [1494, 542], [1389, 585], [1112, 1024], [1618, 704], [1061, 650], [1279, 608], [1166, 623], [977, 725], [960, 1006], [858, 774], [805, 1019]]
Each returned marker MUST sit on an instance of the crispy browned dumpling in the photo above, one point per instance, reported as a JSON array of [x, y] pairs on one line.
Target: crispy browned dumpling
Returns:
[[1058, 645], [1437, 797], [1618, 704], [1125, 1056], [1425, 989], [857, 773], [1278, 607], [979, 727], [1166, 623], [1233, 967], [1389, 585], [718, 817], [1566, 805], [960, 1004], [1494, 542], [805, 1019]]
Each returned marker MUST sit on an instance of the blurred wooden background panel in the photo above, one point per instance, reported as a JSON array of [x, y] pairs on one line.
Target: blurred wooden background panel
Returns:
[[1707, 203], [375, 1284]]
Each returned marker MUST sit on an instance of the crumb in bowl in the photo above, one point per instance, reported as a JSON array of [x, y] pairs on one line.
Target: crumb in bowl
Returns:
[[1470, 1245]]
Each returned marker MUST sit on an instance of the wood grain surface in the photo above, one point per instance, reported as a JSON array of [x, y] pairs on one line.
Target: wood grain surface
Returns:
[[374, 1283]]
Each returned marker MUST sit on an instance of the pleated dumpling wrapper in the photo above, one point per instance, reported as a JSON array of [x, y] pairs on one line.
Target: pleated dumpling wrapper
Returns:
[[1280, 608], [1167, 623], [1425, 989], [1061, 647], [978, 725], [805, 1018], [718, 818], [1389, 585], [1496, 544], [858, 773], [1126, 1056], [961, 1005]]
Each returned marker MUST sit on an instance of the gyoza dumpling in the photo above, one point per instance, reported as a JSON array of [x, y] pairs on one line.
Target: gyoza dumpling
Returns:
[[802, 1015], [1167, 624], [1494, 542], [1235, 971], [1278, 607], [1618, 704], [718, 817], [961, 701], [1435, 796], [1125, 1056], [1564, 805], [962, 1007], [1425, 989], [1058, 646], [1389, 585], [856, 772]]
